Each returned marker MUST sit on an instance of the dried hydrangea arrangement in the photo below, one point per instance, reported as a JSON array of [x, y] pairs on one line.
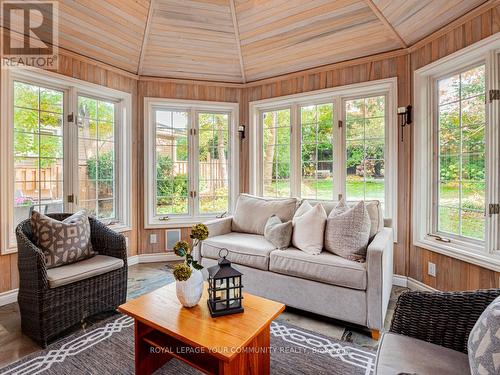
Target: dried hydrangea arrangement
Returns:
[[182, 248]]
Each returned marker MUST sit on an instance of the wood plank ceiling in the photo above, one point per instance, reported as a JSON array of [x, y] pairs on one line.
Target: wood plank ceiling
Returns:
[[245, 40]]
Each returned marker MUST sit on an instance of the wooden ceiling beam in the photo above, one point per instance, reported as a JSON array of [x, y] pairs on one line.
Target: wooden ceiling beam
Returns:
[[145, 37], [386, 23], [238, 41]]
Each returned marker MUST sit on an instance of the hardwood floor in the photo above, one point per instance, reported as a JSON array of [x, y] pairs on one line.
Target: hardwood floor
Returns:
[[146, 277]]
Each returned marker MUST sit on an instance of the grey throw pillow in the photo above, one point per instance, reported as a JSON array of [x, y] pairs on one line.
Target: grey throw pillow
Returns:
[[62, 242], [278, 233], [347, 231], [484, 342]]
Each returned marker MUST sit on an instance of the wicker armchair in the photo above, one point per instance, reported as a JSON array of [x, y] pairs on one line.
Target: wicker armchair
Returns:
[[441, 318], [47, 312], [429, 332]]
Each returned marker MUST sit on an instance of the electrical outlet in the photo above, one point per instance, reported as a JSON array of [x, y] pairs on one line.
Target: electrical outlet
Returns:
[[431, 269], [152, 238]]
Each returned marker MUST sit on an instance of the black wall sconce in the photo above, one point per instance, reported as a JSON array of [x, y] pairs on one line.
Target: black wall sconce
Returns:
[[241, 130], [405, 117]]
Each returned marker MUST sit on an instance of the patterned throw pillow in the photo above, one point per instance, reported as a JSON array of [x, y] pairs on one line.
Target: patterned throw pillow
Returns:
[[62, 242], [278, 233], [484, 342], [348, 230]]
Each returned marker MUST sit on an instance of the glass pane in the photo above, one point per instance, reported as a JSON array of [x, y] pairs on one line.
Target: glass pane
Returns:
[[38, 150], [317, 151], [276, 153], [96, 150], [461, 130], [213, 185], [172, 161], [365, 148]]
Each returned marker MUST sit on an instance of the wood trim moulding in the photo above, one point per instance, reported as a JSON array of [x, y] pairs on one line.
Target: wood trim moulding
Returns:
[[184, 81], [145, 37], [237, 37], [484, 7], [411, 283], [386, 23], [8, 297]]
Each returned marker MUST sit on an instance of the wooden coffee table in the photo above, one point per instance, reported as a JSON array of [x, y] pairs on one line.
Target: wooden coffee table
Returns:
[[232, 344]]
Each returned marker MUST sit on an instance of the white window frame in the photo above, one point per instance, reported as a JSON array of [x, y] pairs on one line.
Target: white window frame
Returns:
[[483, 253], [337, 96], [193, 107], [72, 87]]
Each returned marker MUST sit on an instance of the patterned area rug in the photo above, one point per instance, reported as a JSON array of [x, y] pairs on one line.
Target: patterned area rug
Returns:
[[108, 348]]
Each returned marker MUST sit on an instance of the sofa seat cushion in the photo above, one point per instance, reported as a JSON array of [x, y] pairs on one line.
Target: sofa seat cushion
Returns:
[[81, 270], [247, 249], [325, 267], [398, 354]]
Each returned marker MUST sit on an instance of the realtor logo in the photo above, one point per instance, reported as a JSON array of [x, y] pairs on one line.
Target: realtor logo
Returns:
[[29, 34]]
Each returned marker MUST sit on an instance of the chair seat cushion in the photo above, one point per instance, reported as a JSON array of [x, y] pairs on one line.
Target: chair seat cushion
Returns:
[[246, 249], [84, 269], [325, 267], [398, 354]]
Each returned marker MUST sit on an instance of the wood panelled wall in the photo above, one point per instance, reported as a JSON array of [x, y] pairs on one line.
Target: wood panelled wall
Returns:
[[452, 274], [78, 67], [174, 89], [411, 261]]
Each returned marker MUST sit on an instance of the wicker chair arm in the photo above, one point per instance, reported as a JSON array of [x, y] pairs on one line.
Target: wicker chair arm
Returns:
[[106, 241], [30, 261], [442, 318]]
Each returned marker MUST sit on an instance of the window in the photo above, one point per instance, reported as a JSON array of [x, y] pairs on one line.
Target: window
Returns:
[[97, 157], [325, 145], [276, 153], [65, 149], [191, 148], [365, 146], [461, 111], [456, 152], [38, 149], [316, 151]]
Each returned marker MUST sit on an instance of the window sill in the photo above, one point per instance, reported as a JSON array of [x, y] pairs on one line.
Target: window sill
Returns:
[[184, 222], [475, 254]]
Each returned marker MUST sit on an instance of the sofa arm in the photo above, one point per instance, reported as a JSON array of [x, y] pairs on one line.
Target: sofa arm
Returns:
[[30, 263], [216, 227], [442, 318], [380, 273], [220, 226]]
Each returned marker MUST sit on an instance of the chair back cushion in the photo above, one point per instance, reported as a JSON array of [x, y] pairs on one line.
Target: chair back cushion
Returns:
[[252, 213], [62, 242], [484, 342]]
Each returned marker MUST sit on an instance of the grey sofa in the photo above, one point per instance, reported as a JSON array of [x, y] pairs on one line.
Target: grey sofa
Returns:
[[325, 284]]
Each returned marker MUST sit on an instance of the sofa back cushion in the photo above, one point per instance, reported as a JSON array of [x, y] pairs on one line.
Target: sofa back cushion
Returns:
[[252, 213], [373, 207], [62, 242]]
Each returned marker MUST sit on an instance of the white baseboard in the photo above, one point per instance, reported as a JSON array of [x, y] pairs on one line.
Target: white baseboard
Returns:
[[410, 283], [418, 285], [162, 257], [399, 280], [9, 296]]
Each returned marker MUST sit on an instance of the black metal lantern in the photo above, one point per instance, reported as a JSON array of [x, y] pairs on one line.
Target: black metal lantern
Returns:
[[224, 288]]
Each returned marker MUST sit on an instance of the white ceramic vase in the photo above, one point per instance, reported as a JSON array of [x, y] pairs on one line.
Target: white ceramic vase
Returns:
[[189, 292]]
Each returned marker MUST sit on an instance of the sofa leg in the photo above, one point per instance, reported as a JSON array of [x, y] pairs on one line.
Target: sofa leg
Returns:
[[375, 334]]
